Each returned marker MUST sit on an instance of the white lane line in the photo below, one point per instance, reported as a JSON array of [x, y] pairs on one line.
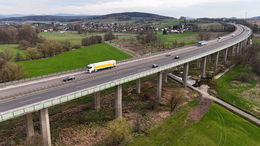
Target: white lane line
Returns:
[[38, 81], [30, 99]]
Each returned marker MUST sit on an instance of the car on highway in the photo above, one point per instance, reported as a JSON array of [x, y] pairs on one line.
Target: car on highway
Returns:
[[176, 57], [69, 78], [154, 66], [168, 55], [202, 43]]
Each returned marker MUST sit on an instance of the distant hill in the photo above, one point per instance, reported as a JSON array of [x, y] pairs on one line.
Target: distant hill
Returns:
[[72, 17], [129, 15], [47, 18], [256, 18]]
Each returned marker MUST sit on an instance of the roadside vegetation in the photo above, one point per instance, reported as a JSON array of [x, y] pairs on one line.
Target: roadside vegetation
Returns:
[[241, 85], [218, 127]]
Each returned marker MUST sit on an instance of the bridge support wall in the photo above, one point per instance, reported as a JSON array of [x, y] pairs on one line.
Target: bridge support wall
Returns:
[[185, 74], [138, 86], [165, 76], [226, 56], [204, 65], [118, 102], [45, 127], [97, 101], [159, 85], [216, 61], [29, 125]]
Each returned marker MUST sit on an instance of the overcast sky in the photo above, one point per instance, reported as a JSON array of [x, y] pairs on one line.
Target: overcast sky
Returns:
[[174, 8]]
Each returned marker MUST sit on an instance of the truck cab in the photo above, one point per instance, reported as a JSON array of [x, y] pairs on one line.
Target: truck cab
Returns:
[[90, 68]]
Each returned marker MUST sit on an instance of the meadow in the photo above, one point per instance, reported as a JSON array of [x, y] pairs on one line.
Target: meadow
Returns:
[[187, 38], [13, 47], [218, 127], [72, 60], [72, 36], [243, 95]]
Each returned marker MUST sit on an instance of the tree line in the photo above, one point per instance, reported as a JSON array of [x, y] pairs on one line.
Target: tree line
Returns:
[[97, 39], [9, 70], [12, 35]]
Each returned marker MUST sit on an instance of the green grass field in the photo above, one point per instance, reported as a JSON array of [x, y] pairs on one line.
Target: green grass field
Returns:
[[14, 47], [232, 93], [180, 38], [72, 36], [72, 60], [218, 127], [167, 22]]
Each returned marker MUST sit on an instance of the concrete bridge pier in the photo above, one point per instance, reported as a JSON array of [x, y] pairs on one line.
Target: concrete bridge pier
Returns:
[[209, 58], [165, 76], [185, 74], [29, 125], [159, 85], [203, 69], [97, 101], [45, 127], [238, 48], [216, 61], [241, 47], [198, 63], [118, 102], [138, 86], [234, 51], [226, 56]]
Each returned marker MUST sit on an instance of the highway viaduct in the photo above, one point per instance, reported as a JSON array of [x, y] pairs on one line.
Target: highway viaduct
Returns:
[[137, 68]]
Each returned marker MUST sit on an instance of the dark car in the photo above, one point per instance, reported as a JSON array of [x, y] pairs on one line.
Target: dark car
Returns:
[[154, 65], [69, 78], [176, 57], [168, 55]]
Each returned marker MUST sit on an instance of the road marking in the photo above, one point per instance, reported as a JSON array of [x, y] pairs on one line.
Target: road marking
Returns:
[[30, 99], [38, 81]]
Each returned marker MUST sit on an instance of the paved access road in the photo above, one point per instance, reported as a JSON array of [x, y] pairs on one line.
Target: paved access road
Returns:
[[22, 93]]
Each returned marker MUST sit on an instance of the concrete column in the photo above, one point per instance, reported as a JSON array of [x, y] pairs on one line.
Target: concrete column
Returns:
[[97, 101], [209, 58], [29, 125], [138, 86], [226, 56], [185, 74], [45, 127], [216, 61], [118, 102], [165, 76], [159, 86], [234, 51], [241, 47], [238, 46], [198, 63], [203, 69]]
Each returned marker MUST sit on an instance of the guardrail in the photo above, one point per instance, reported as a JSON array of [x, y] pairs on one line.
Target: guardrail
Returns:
[[40, 77], [77, 94]]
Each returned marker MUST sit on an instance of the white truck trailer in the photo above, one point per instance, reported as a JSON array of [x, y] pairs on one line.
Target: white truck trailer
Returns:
[[101, 65]]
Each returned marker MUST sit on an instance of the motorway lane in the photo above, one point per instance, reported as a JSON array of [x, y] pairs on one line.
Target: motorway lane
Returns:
[[75, 86]]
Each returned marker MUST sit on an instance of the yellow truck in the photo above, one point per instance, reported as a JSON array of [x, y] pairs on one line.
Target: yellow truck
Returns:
[[101, 65]]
